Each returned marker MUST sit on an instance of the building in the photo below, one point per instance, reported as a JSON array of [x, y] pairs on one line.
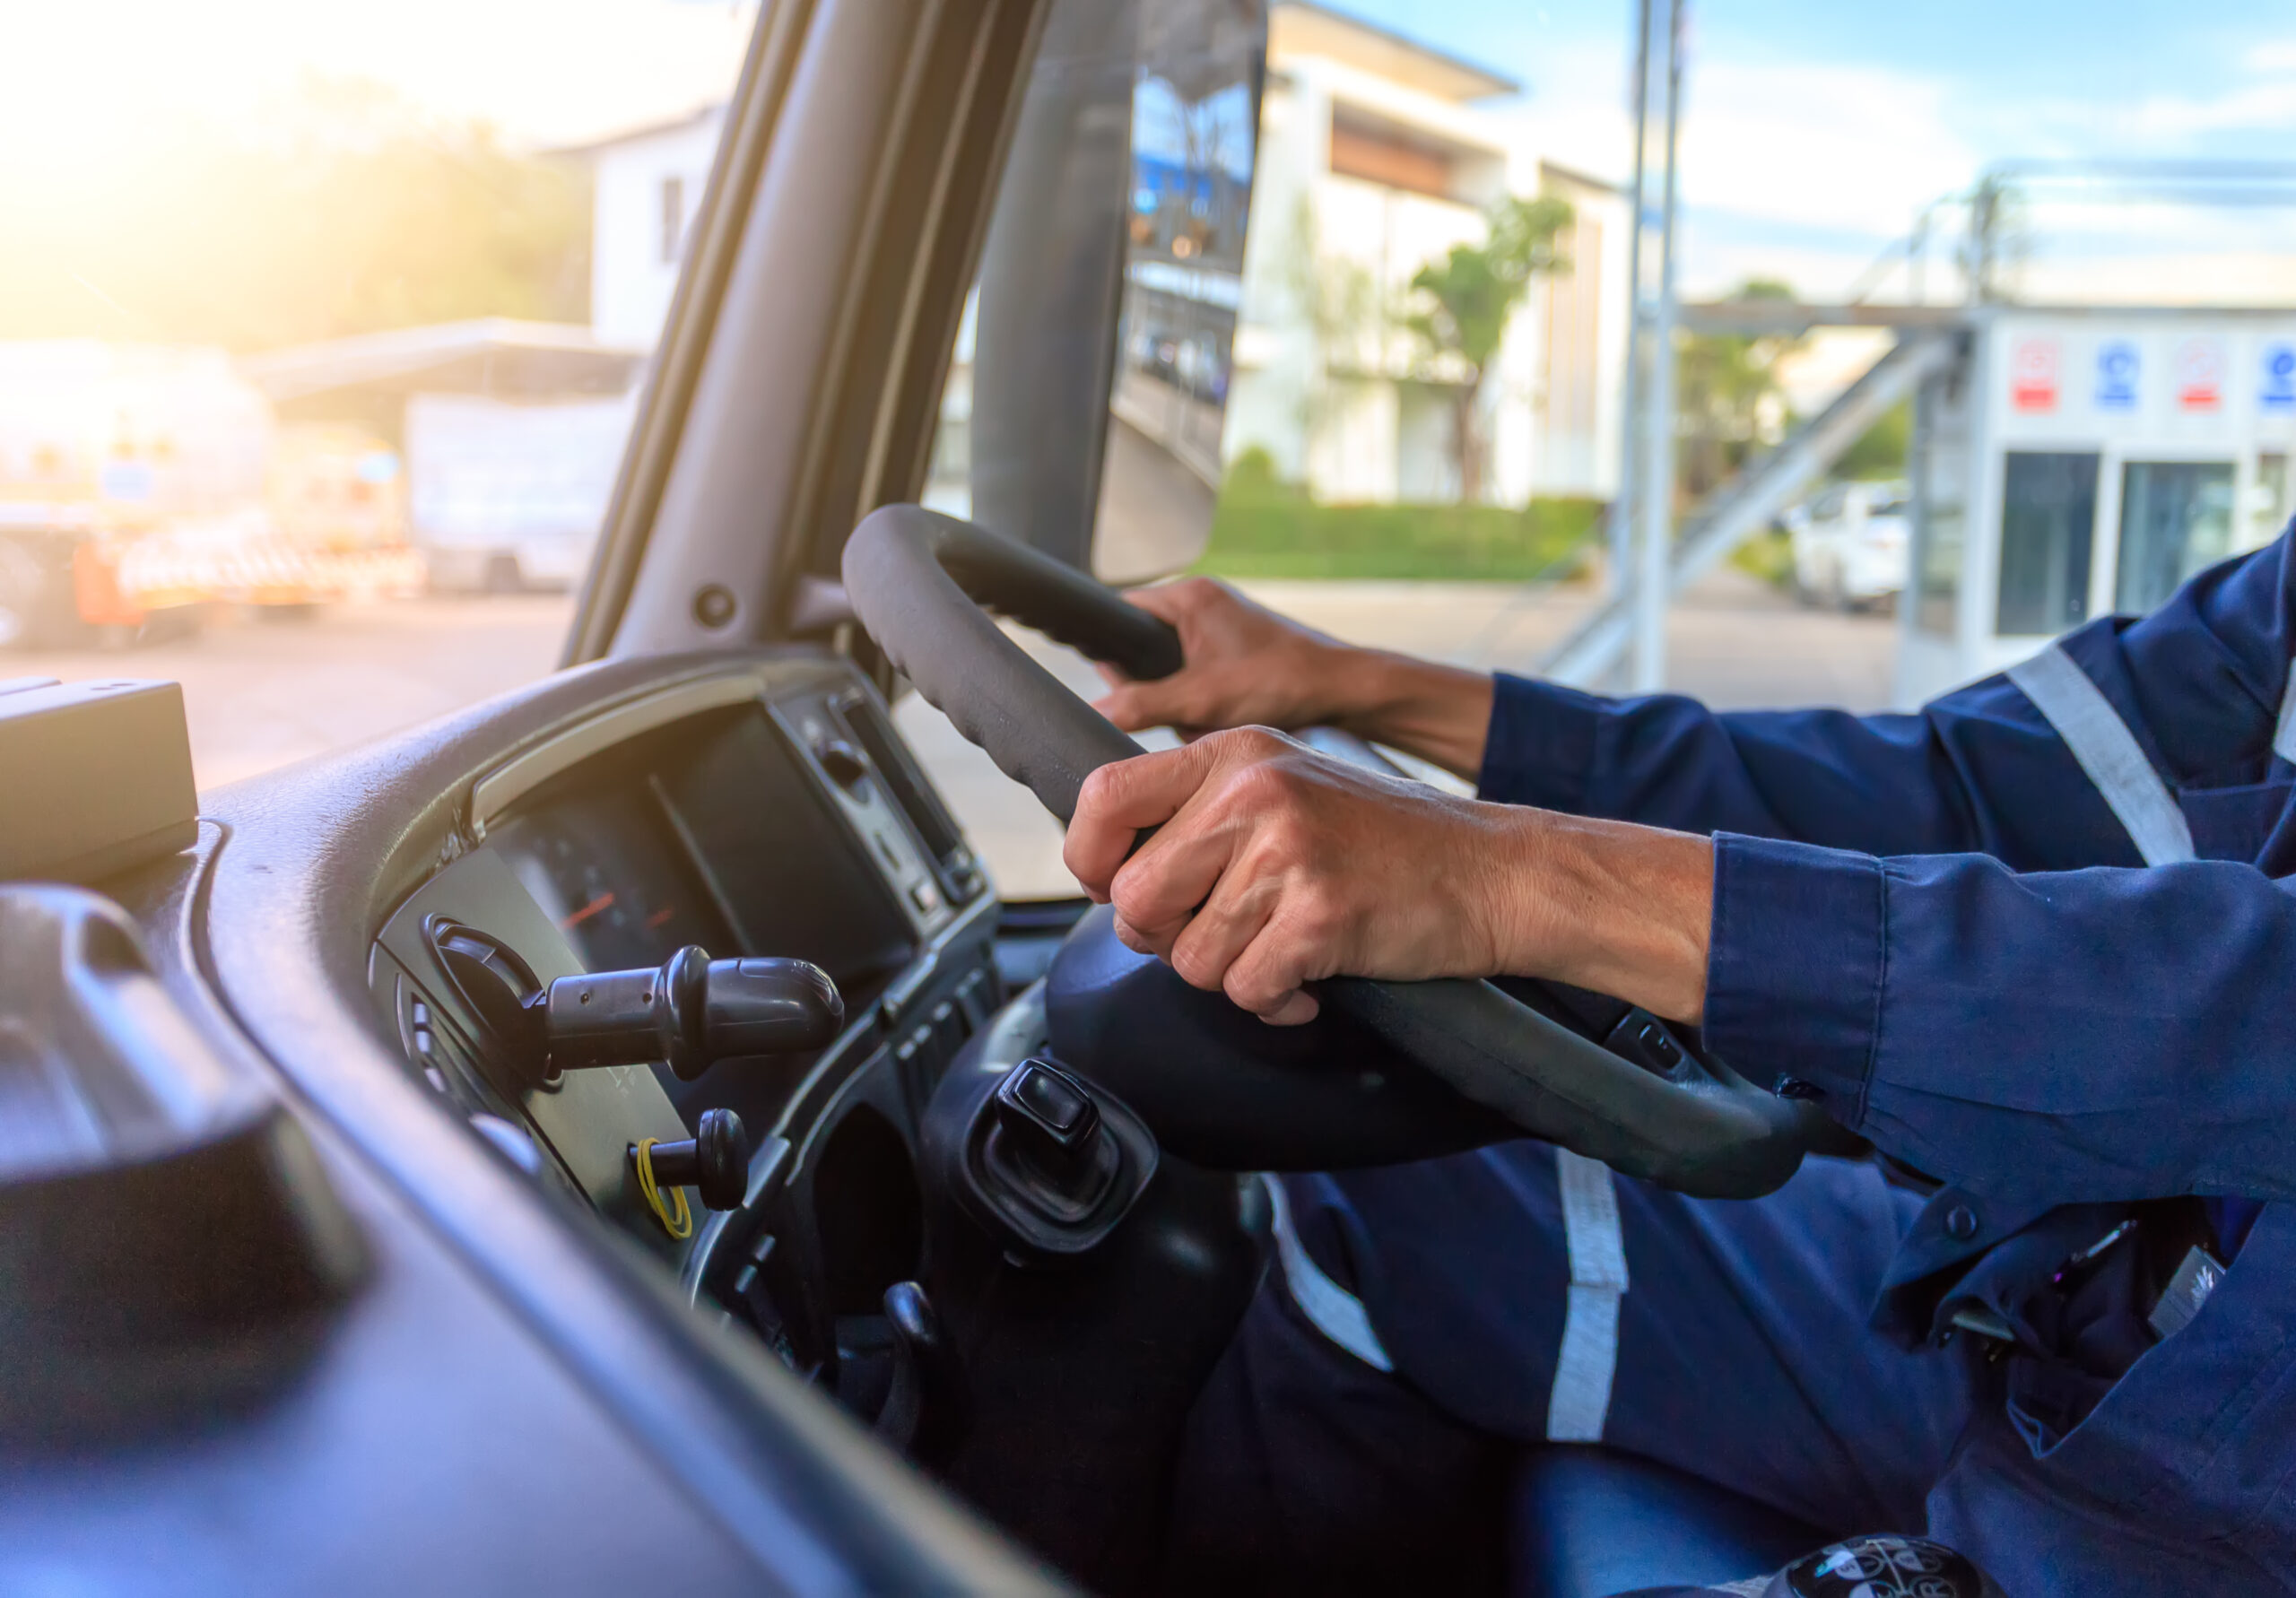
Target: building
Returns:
[[512, 433], [2075, 463], [646, 188], [1376, 157]]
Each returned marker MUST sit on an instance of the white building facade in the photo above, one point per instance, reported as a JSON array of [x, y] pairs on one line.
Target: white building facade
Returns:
[[1375, 159], [646, 188]]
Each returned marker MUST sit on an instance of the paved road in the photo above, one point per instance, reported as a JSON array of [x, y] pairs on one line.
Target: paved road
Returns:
[[263, 693], [260, 694]]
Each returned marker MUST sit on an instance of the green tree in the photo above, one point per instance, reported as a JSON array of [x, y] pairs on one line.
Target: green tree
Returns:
[[1726, 394], [350, 212], [1464, 303], [1881, 450]]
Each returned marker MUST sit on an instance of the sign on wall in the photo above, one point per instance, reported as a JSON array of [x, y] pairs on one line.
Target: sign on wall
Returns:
[[2118, 367], [2033, 366], [2278, 395], [2196, 375]]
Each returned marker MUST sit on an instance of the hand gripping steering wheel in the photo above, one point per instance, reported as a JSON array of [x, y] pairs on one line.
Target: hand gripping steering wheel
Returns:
[[1228, 1084]]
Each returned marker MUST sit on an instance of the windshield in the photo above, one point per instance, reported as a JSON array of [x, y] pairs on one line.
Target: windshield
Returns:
[[1428, 432], [320, 330]]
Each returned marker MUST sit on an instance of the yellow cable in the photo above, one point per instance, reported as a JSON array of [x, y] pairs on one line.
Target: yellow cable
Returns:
[[677, 1219]]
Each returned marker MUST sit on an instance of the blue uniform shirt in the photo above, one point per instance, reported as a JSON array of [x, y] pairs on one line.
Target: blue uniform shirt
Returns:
[[1937, 919]]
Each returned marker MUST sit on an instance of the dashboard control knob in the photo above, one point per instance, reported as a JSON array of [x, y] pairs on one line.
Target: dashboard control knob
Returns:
[[691, 1012], [715, 1161]]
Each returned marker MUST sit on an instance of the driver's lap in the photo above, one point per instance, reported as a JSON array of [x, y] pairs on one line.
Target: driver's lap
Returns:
[[1743, 1355]]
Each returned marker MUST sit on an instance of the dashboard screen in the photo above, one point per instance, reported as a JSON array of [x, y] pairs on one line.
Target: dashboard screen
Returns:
[[709, 831], [607, 866]]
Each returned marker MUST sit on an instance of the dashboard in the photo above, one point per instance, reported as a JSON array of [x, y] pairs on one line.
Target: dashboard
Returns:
[[767, 810]]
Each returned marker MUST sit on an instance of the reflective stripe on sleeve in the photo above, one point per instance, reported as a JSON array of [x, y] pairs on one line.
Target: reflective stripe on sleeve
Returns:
[[1334, 1311], [1588, 1359], [2109, 754], [2284, 736]]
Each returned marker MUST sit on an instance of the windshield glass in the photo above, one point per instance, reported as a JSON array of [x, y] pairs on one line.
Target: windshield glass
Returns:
[[1427, 431], [320, 330]]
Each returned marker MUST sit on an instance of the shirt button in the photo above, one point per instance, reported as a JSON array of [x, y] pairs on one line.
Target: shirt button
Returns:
[[1961, 1223]]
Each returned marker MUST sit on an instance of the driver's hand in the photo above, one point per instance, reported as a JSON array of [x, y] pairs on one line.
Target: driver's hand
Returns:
[[1246, 665], [1275, 866]]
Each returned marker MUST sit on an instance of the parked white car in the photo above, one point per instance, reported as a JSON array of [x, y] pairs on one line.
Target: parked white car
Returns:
[[1850, 544]]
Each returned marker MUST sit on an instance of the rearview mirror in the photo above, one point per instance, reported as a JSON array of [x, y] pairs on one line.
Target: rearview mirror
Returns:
[[1090, 380]]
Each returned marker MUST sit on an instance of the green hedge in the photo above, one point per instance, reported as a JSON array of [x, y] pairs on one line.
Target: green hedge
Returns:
[[1263, 531]]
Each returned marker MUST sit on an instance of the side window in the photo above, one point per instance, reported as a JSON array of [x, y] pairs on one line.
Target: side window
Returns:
[[320, 337], [2048, 521], [2176, 517]]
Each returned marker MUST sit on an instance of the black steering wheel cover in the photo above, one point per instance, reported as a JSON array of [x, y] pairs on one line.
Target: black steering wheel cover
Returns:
[[919, 582]]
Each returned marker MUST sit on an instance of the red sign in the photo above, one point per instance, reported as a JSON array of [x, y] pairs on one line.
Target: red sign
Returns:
[[2196, 372], [2033, 366]]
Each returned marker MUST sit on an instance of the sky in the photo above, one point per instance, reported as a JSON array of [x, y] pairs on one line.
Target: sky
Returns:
[[1812, 129]]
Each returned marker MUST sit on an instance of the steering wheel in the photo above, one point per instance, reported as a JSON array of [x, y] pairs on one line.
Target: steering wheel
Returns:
[[1405, 1069]]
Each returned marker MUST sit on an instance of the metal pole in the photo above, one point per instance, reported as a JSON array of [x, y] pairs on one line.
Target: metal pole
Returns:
[[1622, 523], [1654, 577]]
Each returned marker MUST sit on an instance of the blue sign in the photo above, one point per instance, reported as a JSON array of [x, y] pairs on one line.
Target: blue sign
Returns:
[[2117, 366], [126, 482], [2279, 394]]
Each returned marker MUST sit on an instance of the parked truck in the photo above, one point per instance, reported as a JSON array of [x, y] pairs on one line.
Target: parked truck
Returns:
[[140, 483]]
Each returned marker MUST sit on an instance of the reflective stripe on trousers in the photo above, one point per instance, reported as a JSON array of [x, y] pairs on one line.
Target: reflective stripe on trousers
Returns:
[[1588, 1360]]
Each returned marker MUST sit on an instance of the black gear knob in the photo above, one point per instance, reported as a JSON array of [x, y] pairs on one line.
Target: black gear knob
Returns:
[[1051, 1127], [715, 1161]]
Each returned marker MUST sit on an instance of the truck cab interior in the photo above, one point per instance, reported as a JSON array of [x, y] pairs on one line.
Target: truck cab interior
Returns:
[[617, 1133]]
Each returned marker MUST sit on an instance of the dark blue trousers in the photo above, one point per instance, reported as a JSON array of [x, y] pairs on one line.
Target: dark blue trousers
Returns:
[[1743, 1357]]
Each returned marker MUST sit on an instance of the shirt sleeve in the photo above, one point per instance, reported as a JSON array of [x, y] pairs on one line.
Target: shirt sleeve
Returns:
[[2044, 1020], [2100, 1034], [1978, 770]]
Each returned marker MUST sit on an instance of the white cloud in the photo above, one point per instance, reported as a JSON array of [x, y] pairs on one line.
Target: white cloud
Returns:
[[2252, 107], [1853, 148]]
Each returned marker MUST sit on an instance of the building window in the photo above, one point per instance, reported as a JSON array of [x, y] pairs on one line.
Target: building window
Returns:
[[2175, 518], [2048, 523], [1380, 152], [2271, 497], [673, 221]]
